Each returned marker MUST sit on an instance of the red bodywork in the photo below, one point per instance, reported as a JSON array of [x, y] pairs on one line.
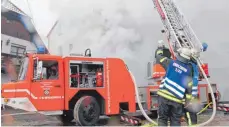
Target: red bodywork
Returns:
[[118, 86]]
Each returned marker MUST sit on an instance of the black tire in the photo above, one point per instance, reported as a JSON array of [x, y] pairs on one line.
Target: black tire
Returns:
[[87, 111]]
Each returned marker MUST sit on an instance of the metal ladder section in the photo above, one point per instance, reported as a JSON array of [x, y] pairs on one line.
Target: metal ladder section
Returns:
[[177, 29]]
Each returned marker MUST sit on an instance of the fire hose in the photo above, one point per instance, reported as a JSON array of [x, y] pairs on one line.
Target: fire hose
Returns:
[[139, 102], [155, 123], [204, 108], [212, 95]]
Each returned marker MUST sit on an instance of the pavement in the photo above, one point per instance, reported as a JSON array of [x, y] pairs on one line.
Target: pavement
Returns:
[[16, 117]]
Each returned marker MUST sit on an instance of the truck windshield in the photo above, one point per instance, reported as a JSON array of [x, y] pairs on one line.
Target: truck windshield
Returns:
[[23, 68]]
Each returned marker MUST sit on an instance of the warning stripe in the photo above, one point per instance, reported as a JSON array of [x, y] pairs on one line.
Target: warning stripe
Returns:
[[223, 109], [122, 118], [136, 122], [224, 105], [129, 120], [126, 119], [31, 94], [21, 90]]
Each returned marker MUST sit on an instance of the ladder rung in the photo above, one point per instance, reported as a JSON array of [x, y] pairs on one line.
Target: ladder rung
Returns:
[[177, 22]]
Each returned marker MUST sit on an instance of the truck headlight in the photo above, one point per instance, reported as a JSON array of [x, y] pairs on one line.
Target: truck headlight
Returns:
[[6, 100]]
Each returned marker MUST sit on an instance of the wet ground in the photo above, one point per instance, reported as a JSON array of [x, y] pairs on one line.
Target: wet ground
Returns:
[[16, 117], [20, 119]]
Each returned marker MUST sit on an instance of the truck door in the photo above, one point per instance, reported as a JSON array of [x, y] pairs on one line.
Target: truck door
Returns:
[[47, 92]]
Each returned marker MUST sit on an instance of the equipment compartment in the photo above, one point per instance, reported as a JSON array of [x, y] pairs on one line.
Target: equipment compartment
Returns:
[[85, 74]]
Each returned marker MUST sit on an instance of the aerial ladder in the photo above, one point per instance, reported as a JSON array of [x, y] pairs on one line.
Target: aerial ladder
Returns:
[[180, 34], [177, 29]]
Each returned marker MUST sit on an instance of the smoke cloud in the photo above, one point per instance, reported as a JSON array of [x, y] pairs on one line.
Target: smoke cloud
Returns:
[[114, 28], [130, 29]]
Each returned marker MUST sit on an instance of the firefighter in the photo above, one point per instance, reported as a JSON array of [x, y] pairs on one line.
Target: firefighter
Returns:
[[191, 114], [191, 117], [99, 78], [53, 73], [176, 86]]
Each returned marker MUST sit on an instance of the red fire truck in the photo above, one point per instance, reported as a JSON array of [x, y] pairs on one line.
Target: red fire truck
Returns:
[[66, 86]]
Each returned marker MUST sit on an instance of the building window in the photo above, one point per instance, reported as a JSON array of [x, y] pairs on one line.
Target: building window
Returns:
[[17, 50]]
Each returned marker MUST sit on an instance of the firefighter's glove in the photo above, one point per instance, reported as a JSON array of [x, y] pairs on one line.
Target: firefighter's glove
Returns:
[[193, 106]]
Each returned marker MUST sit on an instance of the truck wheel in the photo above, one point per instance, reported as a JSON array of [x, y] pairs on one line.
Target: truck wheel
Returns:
[[87, 111]]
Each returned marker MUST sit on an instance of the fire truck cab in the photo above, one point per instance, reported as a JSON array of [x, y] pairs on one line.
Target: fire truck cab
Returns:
[[66, 86]]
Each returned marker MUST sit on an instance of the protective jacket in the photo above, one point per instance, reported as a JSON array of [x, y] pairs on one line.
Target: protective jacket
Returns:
[[172, 87], [195, 79], [176, 78]]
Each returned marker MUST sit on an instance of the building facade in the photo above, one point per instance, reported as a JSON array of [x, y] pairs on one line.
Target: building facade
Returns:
[[18, 35]]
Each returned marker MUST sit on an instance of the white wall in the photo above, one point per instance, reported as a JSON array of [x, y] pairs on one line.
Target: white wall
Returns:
[[6, 48]]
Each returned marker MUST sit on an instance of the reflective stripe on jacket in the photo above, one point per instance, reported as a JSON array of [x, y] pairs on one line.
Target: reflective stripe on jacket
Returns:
[[176, 78], [195, 79], [165, 62], [166, 94]]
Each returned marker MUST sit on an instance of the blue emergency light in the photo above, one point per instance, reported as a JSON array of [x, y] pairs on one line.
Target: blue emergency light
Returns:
[[205, 46], [40, 50]]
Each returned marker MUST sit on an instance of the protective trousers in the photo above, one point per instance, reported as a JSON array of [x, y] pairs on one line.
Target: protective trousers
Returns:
[[169, 110], [191, 118]]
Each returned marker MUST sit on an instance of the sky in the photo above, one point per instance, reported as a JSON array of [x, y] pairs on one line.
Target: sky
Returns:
[[130, 29]]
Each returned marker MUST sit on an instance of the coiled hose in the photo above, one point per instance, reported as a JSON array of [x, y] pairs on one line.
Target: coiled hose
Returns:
[[155, 123]]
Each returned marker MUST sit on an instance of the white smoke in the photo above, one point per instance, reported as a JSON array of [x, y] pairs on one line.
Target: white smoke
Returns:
[[130, 29], [111, 28]]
